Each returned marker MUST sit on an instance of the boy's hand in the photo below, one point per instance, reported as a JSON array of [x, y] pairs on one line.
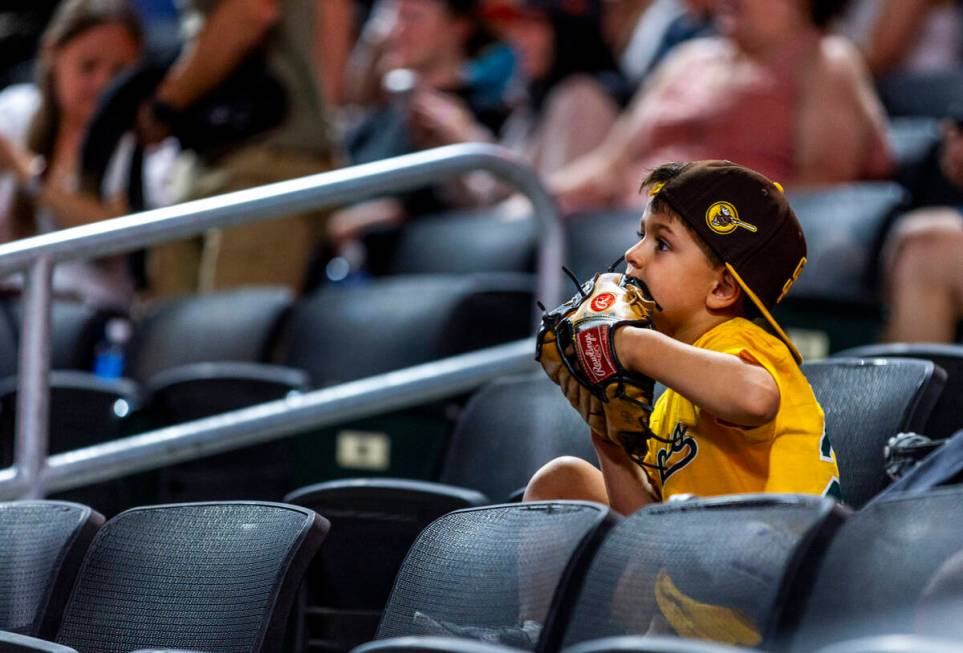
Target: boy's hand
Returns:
[[575, 346]]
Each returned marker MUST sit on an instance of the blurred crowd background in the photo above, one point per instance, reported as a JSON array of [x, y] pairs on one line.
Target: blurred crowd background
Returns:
[[114, 106]]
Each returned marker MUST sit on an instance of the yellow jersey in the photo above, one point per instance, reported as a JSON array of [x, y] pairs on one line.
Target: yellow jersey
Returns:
[[706, 456]]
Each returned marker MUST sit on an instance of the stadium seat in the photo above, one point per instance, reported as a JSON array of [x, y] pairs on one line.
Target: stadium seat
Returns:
[[508, 429], [465, 241], [76, 328], [237, 325], [494, 573], [203, 355], [214, 577], [894, 568], [194, 391], [84, 410], [844, 227], [714, 569], [867, 401], [41, 546], [947, 415], [341, 334], [837, 294], [930, 94], [597, 239], [375, 521]]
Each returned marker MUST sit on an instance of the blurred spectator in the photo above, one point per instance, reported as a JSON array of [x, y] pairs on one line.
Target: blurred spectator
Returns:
[[924, 268], [336, 22], [86, 44], [422, 44], [254, 62], [774, 92], [912, 36], [663, 25], [570, 78], [410, 50]]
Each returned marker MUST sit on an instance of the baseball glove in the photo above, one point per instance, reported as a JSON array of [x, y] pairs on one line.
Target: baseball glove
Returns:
[[576, 347]]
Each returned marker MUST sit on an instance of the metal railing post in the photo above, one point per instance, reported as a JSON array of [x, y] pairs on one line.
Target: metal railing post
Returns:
[[33, 396]]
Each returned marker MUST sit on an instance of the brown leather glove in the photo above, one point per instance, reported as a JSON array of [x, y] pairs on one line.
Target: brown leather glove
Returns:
[[576, 347]]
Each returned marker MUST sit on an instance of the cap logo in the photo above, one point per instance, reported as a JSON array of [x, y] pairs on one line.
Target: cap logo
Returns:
[[723, 219]]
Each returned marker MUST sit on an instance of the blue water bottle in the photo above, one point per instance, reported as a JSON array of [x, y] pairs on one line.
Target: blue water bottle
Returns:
[[109, 353]]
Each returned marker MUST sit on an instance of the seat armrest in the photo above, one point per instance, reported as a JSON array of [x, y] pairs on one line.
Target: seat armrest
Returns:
[[653, 644], [15, 643], [432, 645]]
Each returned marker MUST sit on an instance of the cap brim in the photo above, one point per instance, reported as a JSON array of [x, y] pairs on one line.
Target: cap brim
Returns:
[[765, 313]]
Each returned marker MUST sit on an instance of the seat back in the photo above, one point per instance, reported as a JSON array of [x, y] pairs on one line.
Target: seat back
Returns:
[[895, 567], [508, 430], [844, 227], [342, 334], [197, 390], [236, 325], [493, 573], [597, 239], [76, 328], [84, 409], [947, 415], [216, 577], [867, 401], [931, 93], [375, 522], [711, 569], [41, 546], [461, 242]]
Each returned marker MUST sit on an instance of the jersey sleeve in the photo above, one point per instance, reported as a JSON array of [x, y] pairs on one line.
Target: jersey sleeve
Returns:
[[744, 344]]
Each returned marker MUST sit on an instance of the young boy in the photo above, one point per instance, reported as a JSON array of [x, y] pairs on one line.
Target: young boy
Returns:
[[719, 246]]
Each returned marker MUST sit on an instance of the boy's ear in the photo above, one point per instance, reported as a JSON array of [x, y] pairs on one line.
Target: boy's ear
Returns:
[[724, 293]]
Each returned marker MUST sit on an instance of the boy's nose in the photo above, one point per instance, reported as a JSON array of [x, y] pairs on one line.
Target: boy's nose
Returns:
[[633, 256]]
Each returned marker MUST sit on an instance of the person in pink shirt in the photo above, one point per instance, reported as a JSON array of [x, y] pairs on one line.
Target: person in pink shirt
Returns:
[[774, 92]]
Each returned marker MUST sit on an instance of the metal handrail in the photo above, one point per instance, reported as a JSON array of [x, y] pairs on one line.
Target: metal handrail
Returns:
[[39, 255], [277, 419]]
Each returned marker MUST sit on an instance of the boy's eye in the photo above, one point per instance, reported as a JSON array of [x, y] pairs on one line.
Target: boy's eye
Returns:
[[640, 234], [661, 245]]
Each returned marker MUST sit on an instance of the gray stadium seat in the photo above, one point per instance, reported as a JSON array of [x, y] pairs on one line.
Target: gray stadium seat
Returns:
[[714, 569], [494, 574], [238, 325], [343, 334], [85, 410], [375, 523], [461, 242], [41, 546], [947, 415], [214, 577], [894, 568], [508, 429], [867, 401], [76, 328]]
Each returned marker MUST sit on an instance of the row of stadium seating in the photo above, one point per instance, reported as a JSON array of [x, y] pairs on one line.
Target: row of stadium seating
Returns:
[[776, 572], [510, 428]]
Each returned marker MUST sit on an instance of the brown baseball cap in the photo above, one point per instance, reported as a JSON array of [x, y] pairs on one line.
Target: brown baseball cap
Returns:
[[746, 220]]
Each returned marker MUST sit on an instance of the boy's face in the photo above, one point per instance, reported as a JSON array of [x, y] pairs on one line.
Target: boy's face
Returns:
[[671, 263]]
